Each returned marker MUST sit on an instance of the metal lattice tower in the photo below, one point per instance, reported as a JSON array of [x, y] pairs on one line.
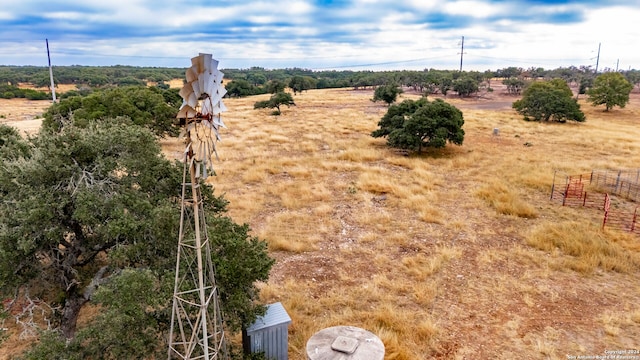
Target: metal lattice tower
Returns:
[[196, 323]]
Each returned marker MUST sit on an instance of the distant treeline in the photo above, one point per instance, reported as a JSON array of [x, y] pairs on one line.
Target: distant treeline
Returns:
[[257, 80]]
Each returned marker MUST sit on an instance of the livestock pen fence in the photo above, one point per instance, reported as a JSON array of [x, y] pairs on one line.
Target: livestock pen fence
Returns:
[[594, 190], [624, 183]]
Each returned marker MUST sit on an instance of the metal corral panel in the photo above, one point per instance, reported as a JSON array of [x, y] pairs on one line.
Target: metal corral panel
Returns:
[[270, 333]]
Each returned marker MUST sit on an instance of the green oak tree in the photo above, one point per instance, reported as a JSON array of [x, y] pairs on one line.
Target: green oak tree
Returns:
[[275, 101], [145, 106], [549, 101], [240, 88], [610, 89], [82, 193], [465, 86], [387, 93], [514, 85], [275, 86], [300, 83], [12, 145], [414, 125], [88, 202]]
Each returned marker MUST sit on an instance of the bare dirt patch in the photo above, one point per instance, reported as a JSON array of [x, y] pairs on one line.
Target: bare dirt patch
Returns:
[[26, 115]]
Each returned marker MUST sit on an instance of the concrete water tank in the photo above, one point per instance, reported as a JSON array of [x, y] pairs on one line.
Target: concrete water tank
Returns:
[[345, 343]]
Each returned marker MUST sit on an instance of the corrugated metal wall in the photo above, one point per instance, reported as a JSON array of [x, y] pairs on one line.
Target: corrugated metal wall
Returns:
[[273, 341], [269, 334]]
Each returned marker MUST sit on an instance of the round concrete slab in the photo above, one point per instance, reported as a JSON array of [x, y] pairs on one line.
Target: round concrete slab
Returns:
[[345, 343]]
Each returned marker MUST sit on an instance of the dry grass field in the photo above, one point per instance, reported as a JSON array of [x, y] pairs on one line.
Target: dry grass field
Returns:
[[451, 254]]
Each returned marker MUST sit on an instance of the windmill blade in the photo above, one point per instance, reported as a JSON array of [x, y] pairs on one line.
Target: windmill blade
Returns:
[[185, 91], [197, 64], [192, 100], [191, 75], [206, 61], [186, 112], [206, 107], [217, 121], [182, 114], [208, 85], [197, 89], [214, 64]]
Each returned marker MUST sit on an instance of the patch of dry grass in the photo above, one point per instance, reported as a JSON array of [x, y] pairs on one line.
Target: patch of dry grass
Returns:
[[506, 200], [584, 248]]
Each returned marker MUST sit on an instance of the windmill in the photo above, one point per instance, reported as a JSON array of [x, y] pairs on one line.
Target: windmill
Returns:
[[196, 324]]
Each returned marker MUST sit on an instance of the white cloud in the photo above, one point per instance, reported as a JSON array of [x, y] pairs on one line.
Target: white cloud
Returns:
[[358, 32], [477, 9]]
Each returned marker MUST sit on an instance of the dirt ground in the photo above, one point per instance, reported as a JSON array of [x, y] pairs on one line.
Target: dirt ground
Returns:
[[23, 114]]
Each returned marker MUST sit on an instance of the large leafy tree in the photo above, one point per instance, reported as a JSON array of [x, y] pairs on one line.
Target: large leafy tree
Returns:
[[240, 88], [82, 193], [275, 101], [465, 86], [12, 145], [634, 77], [139, 300], [145, 106], [514, 85], [275, 86], [549, 101], [610, 89], [414, 125], [90, 200], [387, 93], [300, 83]]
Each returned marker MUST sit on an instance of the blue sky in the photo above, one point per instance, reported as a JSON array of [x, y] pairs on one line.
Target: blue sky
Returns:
[[323, 34]]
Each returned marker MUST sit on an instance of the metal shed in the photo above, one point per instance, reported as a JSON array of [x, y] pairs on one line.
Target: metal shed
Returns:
[[269, 334]]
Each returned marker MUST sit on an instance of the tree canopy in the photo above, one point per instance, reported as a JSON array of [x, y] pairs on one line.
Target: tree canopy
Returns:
[[465, 86], [12, 145], [414, 125], [514, 85], [8, 91], [387, 93], [275, 101], [610, 89], [549, 101], [145, 106], [86, 203], [83, 192], [301, 83]]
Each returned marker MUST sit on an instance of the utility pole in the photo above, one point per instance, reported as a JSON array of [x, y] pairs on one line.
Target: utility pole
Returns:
[[617, 64], [598, 58], [53, 87], [461, 53]]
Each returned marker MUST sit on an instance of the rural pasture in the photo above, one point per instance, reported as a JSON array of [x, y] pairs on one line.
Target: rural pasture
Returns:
[[449, 254]]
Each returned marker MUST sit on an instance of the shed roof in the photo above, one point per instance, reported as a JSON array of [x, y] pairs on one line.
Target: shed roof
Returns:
[[275, 315]]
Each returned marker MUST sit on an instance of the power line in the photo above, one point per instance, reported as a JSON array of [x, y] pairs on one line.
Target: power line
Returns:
[[383, 63]]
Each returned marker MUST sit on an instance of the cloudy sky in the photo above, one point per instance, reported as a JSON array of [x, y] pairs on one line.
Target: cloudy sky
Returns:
[[323, 34]]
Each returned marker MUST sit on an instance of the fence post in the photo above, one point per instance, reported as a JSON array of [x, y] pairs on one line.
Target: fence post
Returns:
[[633, 222], [564, 197], [584, 199], [607, 203], [553, 185]]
